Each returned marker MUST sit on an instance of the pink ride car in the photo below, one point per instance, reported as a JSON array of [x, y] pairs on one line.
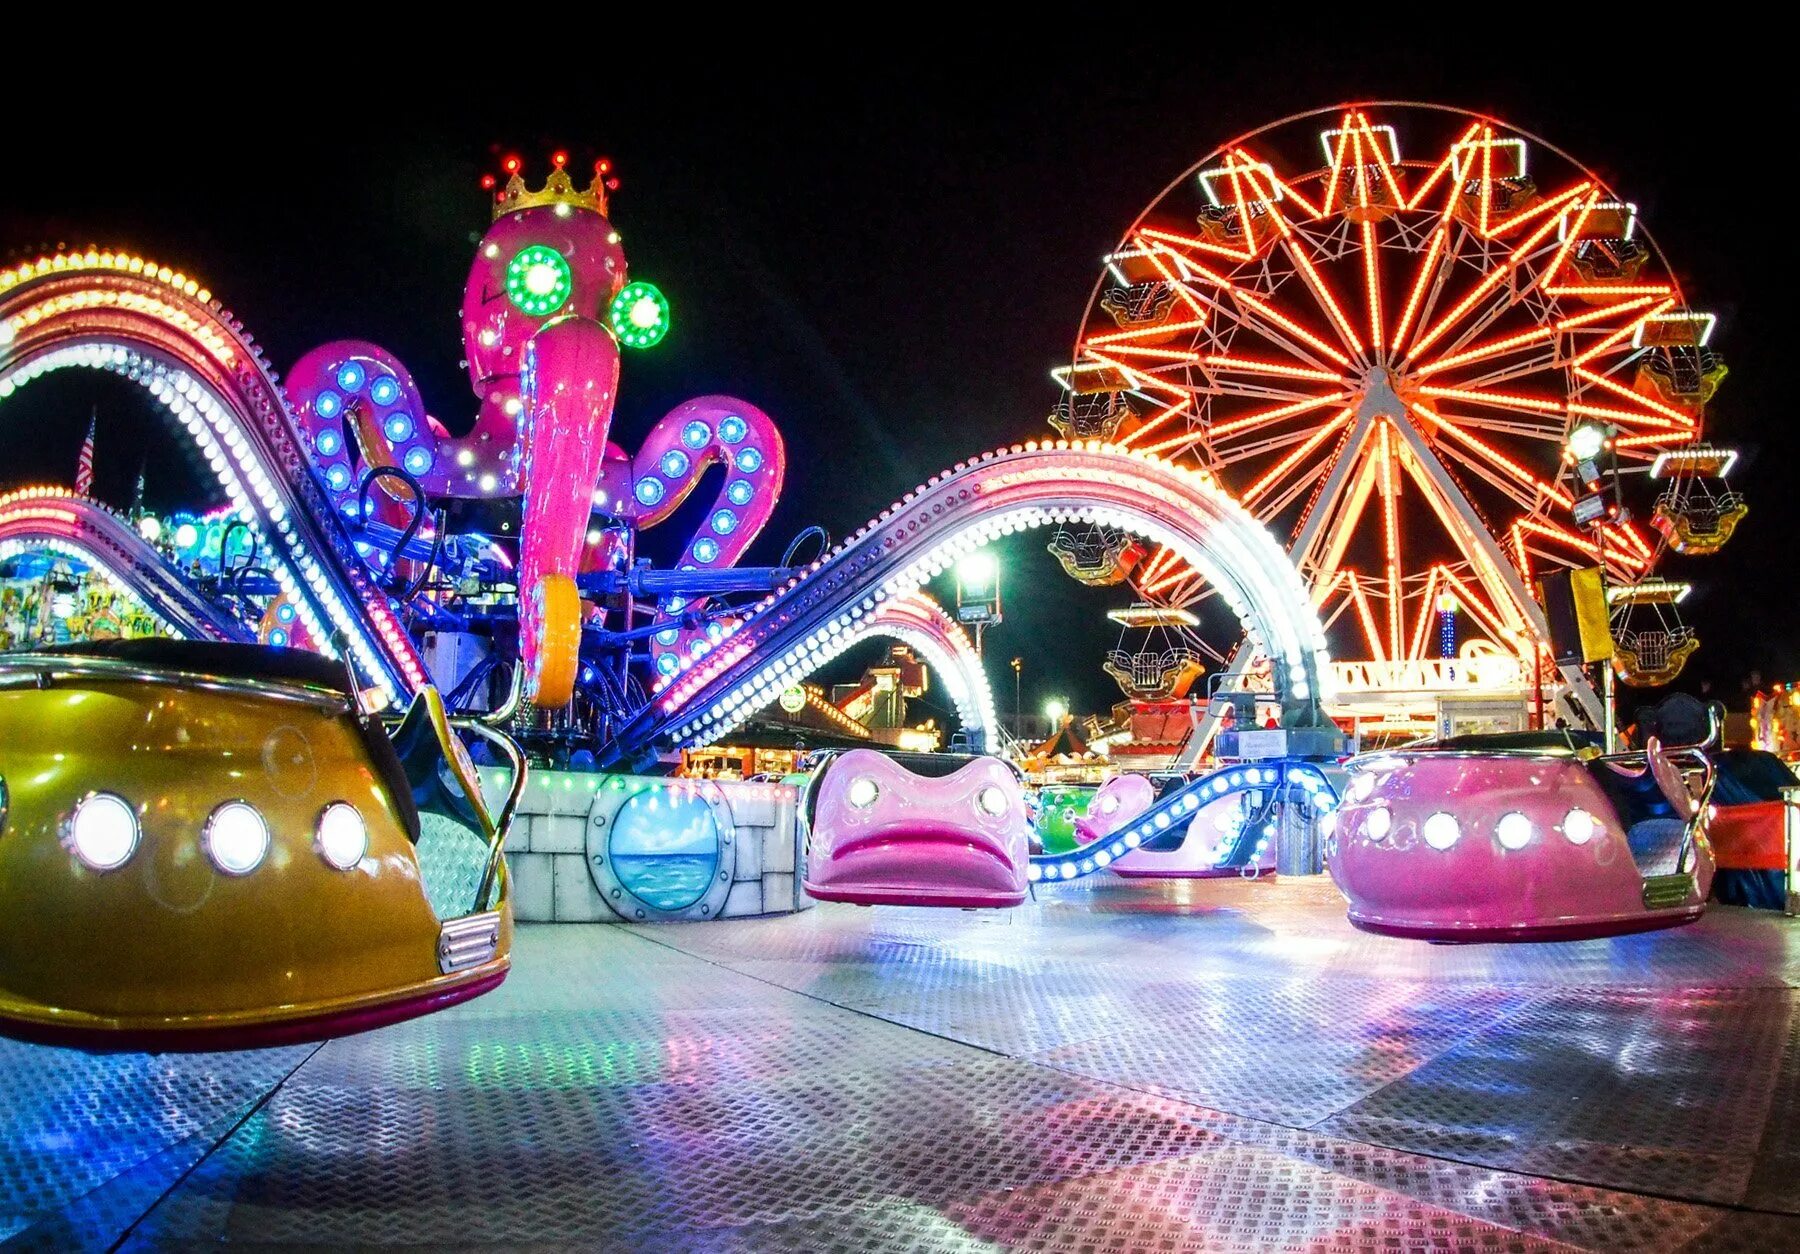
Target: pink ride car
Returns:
[[880, 834], [1523, 844]]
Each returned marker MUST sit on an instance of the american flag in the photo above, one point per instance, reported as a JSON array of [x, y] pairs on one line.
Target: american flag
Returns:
[[84, 464]]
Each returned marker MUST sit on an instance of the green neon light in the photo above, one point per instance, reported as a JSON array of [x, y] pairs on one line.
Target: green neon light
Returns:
[[640, 315], [537, 280]]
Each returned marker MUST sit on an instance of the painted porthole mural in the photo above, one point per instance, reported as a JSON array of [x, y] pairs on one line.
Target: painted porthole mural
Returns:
[[661, 851]]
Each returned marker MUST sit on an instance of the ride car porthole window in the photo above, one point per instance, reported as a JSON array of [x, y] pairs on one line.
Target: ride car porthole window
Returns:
[[661, 849]]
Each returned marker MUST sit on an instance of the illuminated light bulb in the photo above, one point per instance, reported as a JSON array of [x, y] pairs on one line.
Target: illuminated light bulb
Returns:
[[1513, 831], [235, 838], [465, 457], [992, 801], [1579, 826], [862, 792], [103, 831], [1378, 823], [639, 315], [343, 837], [1441, 830]]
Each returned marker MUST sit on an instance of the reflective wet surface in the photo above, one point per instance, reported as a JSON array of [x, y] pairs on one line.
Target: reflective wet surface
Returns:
[[1120, 1066]]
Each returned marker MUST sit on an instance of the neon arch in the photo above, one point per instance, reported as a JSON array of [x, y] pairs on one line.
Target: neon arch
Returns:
[[917, 620], [112, 311], [1019, 488], [56, 520]]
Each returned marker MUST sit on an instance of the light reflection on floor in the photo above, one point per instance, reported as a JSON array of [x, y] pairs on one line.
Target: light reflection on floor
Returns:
[[1114, 1067]]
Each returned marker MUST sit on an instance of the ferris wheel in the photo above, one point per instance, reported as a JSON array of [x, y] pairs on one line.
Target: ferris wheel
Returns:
[[1425, 348]]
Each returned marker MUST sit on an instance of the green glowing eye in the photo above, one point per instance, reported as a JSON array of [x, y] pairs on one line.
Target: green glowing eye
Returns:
[[640, 315], [537, 280]]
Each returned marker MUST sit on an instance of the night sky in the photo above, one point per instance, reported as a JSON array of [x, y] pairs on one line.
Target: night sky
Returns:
[[889, 260]]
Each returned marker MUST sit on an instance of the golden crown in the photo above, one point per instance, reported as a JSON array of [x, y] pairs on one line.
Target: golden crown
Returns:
[[558, 189]]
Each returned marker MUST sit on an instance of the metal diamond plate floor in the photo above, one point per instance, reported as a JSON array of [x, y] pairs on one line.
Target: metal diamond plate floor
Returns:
[[1116, 1067]]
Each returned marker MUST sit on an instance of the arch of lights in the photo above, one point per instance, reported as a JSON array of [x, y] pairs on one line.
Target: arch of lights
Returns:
[[113, 311], [915, 619], [54, 520], [1019, 488]]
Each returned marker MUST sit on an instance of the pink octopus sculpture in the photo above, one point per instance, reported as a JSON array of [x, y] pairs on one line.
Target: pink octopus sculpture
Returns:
[[545, 311], [1523, 845], [879, 834]]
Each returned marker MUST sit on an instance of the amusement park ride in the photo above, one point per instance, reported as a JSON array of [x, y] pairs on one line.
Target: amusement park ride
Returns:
[[1277, 347], [1346, 309]]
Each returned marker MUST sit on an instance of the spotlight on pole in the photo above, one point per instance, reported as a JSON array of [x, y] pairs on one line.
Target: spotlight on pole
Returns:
[[978, 593], [1586, 441]]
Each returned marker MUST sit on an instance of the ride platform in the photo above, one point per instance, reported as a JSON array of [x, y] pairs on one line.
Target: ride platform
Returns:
[[1114, 1066]]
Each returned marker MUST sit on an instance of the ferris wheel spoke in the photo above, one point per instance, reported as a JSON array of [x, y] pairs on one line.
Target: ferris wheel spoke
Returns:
[[1372, 287], [1311, 445], [1247, 450], [1263, 320], [1499, 480], [1240, 390], [1522, 479], [1541, 366], [1527, 278], [1522, 276], [1510, 401], [1470, 598], [1559, 203], [1365, 616], [1422, 622], [1542, 335], [1173, 446], [1315, 283], [1339, 511], [1657, 408], [1268, 417], [1612, 557], [1141, 380], [1276, 505], [1552, 432], [1180, 408], [1443, 167], [1279, 188], [1489, 282]]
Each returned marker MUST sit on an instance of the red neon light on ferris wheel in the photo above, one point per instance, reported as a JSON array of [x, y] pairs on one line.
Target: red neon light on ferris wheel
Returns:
[[1420, 331]]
